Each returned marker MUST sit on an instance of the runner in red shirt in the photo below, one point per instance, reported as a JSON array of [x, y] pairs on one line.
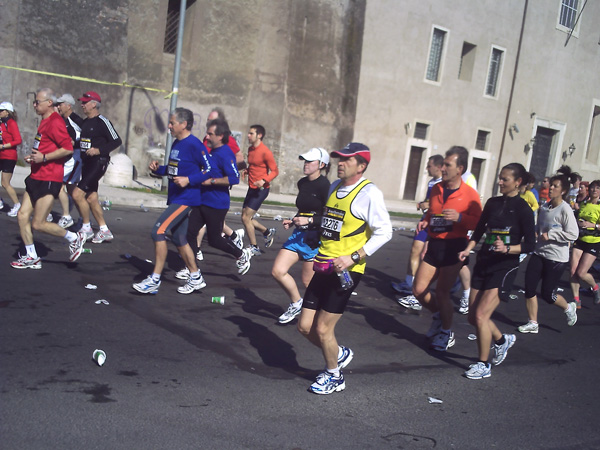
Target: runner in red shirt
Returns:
[[52, 145]]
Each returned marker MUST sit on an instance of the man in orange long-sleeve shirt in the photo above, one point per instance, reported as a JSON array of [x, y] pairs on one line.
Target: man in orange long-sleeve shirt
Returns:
[[454, 209], [262, 169]]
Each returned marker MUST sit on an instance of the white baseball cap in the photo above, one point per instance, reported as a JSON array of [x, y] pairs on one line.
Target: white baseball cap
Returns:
[[7, 106], [66, 98], [316, 154]]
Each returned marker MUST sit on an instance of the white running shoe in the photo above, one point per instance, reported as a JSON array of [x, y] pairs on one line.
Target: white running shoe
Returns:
[[27, 262], [346, 357], [529, 327], [327, 383], [1, 204], [183, 274], [243, 262], [50, 218], [148, 286], [410, 302], [15, 210], [291, 313], [478, 371], [199, 255], [239, 240], [502, 350], [464, 305], [65, 222], [571, 313], [89, 234], [255, 250], [270, 237], [76, 247], [193, 284], [103, 236]]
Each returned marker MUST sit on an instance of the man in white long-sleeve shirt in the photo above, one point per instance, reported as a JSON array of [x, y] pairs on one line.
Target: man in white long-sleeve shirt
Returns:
[[355, 225]]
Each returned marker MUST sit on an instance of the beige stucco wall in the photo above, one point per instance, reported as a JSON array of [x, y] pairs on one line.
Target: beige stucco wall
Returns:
[[283, 64], [557, 83]]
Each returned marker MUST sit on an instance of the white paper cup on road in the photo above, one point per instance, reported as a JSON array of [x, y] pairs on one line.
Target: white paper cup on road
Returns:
[[99, 356]]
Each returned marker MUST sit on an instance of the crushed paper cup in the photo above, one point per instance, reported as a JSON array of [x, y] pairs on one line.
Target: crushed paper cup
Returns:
[[219, 300], [434, 400], [101, 302], [91, 286], [472, 337], [99, 356]]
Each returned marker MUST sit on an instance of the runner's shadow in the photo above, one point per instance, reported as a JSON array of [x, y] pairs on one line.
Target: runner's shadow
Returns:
[[386, 324], [273, 351], [253, 304]]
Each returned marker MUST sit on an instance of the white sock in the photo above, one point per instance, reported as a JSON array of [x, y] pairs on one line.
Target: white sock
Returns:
[[298, 303], [86, 227], [340, 351], [156, 277], [195, 275], [335, 372], [103, 228], [68, 217], [31, 251], [466, 293], [70, 236]]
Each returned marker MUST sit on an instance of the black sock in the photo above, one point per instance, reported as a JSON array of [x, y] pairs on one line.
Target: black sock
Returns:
[[501, 341], [266, 233]]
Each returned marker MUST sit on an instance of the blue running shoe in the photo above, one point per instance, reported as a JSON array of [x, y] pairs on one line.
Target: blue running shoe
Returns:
[[328, 384]]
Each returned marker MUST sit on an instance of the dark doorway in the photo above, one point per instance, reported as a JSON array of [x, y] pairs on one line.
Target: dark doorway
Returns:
[[413, 173], [544, 138]]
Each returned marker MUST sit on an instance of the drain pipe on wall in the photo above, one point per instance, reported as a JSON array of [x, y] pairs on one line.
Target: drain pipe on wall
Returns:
[[510, 98]]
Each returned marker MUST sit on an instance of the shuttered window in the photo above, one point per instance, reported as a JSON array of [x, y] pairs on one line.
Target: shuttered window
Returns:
[[435, 54]]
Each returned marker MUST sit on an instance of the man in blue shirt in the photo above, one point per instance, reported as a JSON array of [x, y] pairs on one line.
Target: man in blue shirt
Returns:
[[188, 167], [215, 196]]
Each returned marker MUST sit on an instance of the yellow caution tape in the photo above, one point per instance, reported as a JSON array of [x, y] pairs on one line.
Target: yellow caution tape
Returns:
[[89, 80]]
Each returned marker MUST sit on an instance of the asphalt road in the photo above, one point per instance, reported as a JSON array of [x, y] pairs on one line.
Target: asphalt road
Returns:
[[182, 372]]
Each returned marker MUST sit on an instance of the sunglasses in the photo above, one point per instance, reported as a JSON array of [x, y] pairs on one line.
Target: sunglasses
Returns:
[[37, 102]]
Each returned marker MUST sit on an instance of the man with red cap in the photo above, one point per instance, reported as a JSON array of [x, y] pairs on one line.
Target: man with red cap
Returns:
[[98, 139], [355, 224]]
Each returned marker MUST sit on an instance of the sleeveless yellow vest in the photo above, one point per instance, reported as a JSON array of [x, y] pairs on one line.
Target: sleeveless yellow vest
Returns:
[[341, 232]]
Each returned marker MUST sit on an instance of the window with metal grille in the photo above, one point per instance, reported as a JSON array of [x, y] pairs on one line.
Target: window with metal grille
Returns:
[[482, 140], [421, 130], [494, 72], [568, 13], [435, 54], [172, 25]]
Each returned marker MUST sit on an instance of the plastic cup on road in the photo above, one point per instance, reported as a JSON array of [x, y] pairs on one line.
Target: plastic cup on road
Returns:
[[219, 300], [99, 356]]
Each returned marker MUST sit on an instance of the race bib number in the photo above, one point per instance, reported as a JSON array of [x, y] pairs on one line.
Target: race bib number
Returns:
[[85, 144], [36, 141], [493, 233], [331, 224], [439, 224], [173, 168]]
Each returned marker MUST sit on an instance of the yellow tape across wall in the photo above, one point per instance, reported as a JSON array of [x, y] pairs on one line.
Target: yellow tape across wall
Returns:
[[89, 80]]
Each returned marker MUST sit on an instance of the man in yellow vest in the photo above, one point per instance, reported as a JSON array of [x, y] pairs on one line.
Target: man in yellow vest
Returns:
[[355, 224]]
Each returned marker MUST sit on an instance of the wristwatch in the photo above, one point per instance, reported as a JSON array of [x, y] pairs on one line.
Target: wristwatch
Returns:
[[213, 181], [355, 257]]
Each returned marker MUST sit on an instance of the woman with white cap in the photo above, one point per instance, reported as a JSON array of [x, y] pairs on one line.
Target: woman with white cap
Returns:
[[303, 244], [10, 138]]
